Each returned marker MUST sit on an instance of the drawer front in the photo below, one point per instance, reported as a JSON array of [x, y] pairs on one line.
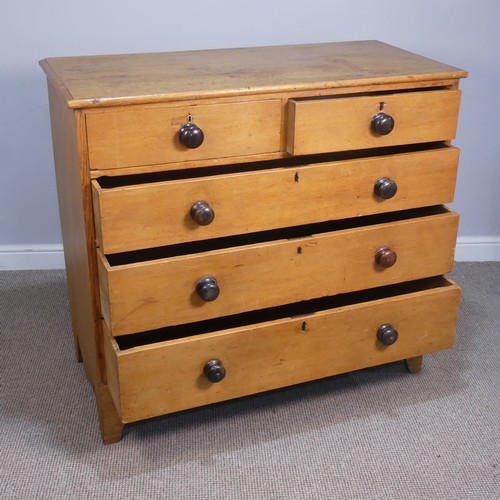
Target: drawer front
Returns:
[[152, 215], [344, 123], [165, 377], [149, 295], [130, 137]]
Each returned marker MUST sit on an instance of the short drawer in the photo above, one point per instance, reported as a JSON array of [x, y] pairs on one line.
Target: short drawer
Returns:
[[345, 123], [152, 294], [137, 216], [164, 377], [131, 136]]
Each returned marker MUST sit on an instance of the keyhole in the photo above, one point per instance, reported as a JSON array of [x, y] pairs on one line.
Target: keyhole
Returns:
[[303, 326]]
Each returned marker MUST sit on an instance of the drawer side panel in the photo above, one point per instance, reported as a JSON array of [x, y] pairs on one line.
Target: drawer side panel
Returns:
[[111, 351]]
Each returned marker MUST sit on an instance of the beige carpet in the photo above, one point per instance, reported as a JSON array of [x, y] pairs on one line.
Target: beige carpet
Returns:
[[378, 433]]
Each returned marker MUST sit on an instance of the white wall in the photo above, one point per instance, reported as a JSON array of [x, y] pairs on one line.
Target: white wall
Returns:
[[463, 33]]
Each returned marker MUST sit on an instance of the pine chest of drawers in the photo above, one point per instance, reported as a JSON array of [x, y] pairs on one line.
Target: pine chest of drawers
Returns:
[[236, 221]]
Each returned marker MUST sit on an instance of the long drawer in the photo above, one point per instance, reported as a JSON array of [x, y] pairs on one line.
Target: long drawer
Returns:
[[136, 216], [127, 137], [168, 376], [152, 294], [345, 123]]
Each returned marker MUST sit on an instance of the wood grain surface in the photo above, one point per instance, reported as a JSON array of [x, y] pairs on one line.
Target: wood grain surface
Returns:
[[129, 137], [157, 214], [120, 115], [148, 295], [143, 78], [75, 209], [343, 124], [166, 377]]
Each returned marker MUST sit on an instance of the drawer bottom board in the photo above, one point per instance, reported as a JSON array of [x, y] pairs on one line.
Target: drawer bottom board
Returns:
[[165, 377]]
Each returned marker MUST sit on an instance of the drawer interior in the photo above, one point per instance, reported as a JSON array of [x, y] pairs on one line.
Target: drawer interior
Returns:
[[375, 94], [117, 181]]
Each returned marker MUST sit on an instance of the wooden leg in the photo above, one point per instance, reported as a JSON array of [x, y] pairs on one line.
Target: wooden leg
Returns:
[[109, 420], [78, 352], [414, 365]]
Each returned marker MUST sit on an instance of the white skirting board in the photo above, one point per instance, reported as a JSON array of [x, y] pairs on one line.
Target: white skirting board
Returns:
[[478, 249], [26, 257]]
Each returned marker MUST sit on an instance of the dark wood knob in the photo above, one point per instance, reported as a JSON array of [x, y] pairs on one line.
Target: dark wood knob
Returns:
[[191, 136], [385, 188], [382, 123], [387, 335], [207, 288], [385, 257], [214, 370], [202, 213]]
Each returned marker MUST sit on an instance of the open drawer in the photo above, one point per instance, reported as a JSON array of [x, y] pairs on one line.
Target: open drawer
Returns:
[[184, 284], [340, 123], [146, 380], [133, 213]]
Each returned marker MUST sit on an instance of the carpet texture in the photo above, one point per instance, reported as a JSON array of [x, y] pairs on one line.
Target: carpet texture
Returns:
[[377, 433]]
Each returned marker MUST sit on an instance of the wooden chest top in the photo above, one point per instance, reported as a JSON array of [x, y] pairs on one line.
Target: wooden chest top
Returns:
[[94, 81]]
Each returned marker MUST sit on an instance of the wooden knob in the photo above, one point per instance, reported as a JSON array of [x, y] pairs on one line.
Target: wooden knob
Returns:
[[382, 123], [385, 188], [385, 257], [202, 213], [214, 370], [207, 288], [190, 135], [387, 335]]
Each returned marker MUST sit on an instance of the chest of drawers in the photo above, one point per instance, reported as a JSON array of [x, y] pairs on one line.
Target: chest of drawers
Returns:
[[236, 221]]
